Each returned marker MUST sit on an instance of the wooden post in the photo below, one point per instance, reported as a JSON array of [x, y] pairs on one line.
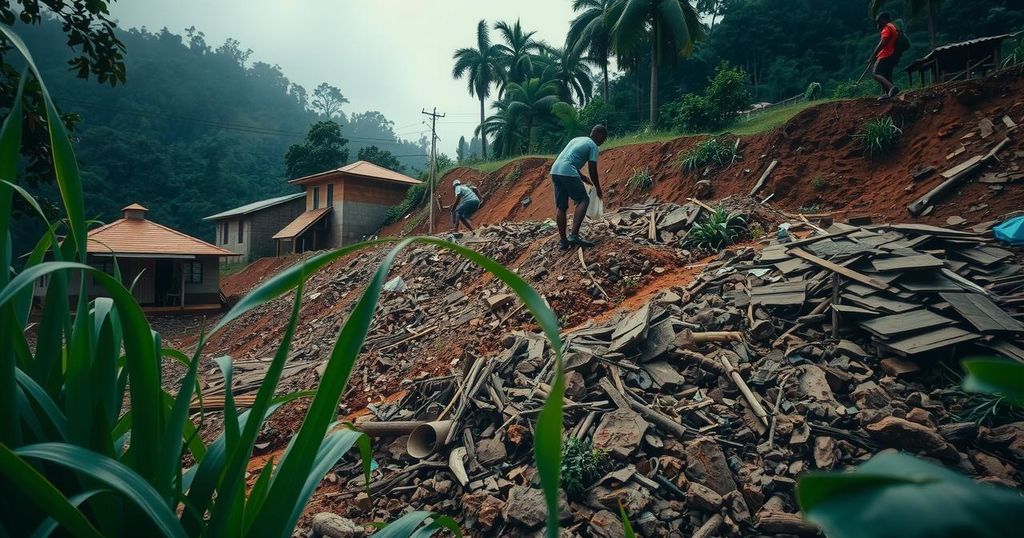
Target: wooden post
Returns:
[[181, 265]]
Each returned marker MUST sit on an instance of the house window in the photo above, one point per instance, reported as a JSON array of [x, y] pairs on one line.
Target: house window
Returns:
[[107, 266], [224, 233], [193, 272], [330, 195], [316, 197], [241, 234]]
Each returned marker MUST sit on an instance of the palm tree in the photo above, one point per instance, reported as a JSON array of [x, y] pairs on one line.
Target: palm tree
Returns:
[[517, 52], [482, 67], [569, 71], [914, 8], [589, 32], [668, 26], [501, 127], [530, 101]]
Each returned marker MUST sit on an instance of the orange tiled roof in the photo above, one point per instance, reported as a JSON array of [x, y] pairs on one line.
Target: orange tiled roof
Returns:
[[302, 223], [135, 207], [141, 236], [362, 169]]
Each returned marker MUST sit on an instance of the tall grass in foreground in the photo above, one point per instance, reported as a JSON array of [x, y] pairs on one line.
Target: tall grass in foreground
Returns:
[[74, 456]]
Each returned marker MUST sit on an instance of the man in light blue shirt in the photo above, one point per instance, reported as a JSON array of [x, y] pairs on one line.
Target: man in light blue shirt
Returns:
[[565, 174], [467, 201]]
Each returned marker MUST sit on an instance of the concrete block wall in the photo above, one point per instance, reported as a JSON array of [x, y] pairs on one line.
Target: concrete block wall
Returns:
[[267, 222]]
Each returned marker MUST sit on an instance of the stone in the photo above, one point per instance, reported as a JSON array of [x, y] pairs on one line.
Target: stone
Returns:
[[499, 301], [605, 524], [893, 432], [490, 451], [704, 189], [762, 330], [814, 384], [620, 431], [705, 463], [824, 452], [701, 497], [921, 417], [363, 501], [869, 395], [490, 510], [630, 496], [737, 507], [525, 506], [900, 368], [991, 466], [329, 525]]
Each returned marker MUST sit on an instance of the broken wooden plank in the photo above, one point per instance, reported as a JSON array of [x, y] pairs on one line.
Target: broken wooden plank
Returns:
[[907, 322], [764, 177], [780, 294], [952, 172], [918, 206], [982, 313], [929, 341], [903, 263], [877, 302], [845, 271]]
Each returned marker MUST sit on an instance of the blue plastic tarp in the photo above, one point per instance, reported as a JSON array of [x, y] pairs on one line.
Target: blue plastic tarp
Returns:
[[1011, 232]]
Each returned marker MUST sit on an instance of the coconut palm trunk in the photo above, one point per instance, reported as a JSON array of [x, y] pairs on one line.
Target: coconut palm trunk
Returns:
[[483, 134], [931, 23], [604, 73]]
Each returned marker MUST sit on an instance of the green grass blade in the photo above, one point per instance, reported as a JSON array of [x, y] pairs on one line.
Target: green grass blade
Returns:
[[333, 448], [178, 421], [230, 412], [34, 487], [627, 528], [142, 364], [65, 166], [439, 522], [115, 475], [408, 525], [55, 417], [258, 494], [47, 527]]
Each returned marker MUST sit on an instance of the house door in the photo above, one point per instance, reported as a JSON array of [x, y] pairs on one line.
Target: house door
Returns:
[[168, 283]]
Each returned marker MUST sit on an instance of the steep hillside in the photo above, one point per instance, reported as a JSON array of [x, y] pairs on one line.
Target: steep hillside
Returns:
[[821, 166]]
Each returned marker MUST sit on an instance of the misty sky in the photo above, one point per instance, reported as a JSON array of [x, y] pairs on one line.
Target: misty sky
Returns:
[[394, 56]]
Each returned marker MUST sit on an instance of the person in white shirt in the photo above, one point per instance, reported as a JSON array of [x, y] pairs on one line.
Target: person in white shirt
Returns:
[[467, 201]]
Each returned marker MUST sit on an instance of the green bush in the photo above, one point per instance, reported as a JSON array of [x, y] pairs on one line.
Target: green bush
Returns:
[[716, 231], [727, 94], [813, 91], [640, 181], [878, 136], [712, 152], [93, 443], [581, 465], [819, 183], [852, 89]]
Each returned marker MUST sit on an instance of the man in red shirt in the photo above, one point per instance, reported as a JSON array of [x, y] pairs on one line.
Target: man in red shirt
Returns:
[[885, 57]]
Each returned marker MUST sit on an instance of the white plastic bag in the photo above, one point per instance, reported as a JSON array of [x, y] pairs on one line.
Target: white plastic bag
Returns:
[[595, 210]]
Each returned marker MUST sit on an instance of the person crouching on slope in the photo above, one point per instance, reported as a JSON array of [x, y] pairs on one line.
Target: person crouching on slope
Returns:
[[568, 182], [467, 201]]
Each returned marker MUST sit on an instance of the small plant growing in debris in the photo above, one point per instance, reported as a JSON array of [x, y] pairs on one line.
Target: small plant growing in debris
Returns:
[[879, 136], [819, 183], [712, 151], [640, 181], [717, 231], [630, 282], [756, 230], [581, 465]]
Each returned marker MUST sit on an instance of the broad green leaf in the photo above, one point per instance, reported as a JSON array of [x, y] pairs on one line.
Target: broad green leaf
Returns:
[[47, 527], [56, 419], [895, 495], [996, 376], [34, 486], [114, 475]]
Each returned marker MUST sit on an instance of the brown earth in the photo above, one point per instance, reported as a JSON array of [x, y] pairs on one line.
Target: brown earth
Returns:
[[817, 143]]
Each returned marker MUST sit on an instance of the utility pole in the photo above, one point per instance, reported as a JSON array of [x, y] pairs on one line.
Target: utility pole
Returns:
[[433, 163]]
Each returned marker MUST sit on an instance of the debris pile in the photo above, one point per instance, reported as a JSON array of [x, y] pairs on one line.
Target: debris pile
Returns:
[[707, 402]]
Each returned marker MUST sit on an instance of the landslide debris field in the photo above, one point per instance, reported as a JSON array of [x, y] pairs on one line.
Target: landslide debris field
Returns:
[[710, 380]]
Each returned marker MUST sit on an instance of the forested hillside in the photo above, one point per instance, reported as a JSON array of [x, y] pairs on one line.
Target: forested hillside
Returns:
[[195, 129]]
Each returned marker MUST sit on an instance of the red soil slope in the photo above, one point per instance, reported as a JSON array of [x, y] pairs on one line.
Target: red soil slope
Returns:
[[818, 143]]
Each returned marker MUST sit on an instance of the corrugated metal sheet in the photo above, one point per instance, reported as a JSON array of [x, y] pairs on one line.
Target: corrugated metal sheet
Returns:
[[255, 206], [302, 223], [362, 169], [141, 236], [968, 43]]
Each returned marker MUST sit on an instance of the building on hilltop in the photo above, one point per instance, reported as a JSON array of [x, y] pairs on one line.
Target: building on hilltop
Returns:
[[249, 230], [166, 270], [343, 206]]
